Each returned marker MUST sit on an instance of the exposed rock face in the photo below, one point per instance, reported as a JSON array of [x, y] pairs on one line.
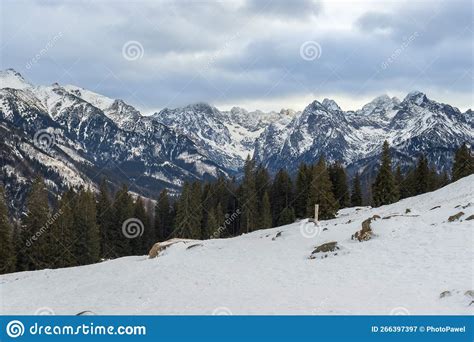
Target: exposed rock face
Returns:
[[455, 217], [366, 233]]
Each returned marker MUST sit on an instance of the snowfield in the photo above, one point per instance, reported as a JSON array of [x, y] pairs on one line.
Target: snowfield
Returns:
[[415, 256]]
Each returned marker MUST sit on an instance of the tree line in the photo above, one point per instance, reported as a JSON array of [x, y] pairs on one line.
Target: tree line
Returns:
[[85, 227]]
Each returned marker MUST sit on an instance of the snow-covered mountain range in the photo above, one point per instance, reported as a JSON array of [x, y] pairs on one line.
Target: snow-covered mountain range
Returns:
[[418, 261], [74, 136]]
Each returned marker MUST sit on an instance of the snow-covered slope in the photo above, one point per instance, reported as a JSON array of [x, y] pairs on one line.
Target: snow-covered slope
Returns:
[[417, 263]]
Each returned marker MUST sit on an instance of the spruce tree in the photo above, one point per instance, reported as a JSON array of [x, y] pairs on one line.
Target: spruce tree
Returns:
[[303, 182], [463, 163], [143, 242], [211, 225], [123, 210], [384, 190], [106, 221], [287, 216], [35, 240], [87, 233], [356, 195], [422, 174], [62, 229], [321, 193], [189, 212], [281, 195], [266, 214], [163, 217], [249, 201], [7, 244], [340, 189]]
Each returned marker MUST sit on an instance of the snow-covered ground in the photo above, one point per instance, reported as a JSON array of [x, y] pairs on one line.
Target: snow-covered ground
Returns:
[[414, 257]]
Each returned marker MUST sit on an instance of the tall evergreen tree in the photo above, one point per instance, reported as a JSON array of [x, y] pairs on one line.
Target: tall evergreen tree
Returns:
[[303, 182], [35, 239], [384, 190], [7, 244], [123, 210], [62, 229], [281, 195], [356, 195], [422, 175], [163, 217], [106, 221], [266, 214], [143, 242], [249, 200], [340, 189], [463, 163], [211, 225], [87, 244], [321, 192], [189, 212]]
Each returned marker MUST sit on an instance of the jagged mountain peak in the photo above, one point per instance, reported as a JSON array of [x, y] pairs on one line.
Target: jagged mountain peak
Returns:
[[331, 104], [10, 78], [416, 97]]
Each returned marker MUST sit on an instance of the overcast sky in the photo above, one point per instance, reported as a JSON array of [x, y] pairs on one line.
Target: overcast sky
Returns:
[[265, 54]]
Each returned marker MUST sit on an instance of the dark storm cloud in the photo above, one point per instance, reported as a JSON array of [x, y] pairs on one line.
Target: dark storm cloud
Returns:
[[238, 51]]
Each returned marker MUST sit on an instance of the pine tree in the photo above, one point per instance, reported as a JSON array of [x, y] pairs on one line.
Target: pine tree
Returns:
[[163, 217], [249, 201], [62, 251], [281, 195], [7, 244], [384, 190], [35, 239], [266, 214], [463, 163], [356, 195], [422, 174], [287, 216], [340, 189], [321, 192], [105, 220], [143, 241], [123, 210], [87, 233], [303, 182], [189, 212], [211, 225]]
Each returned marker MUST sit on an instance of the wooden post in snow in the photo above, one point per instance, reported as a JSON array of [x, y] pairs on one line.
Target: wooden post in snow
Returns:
[[316, 212]]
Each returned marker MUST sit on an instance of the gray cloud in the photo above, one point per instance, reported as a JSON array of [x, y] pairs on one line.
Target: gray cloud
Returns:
[[235, 52]]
